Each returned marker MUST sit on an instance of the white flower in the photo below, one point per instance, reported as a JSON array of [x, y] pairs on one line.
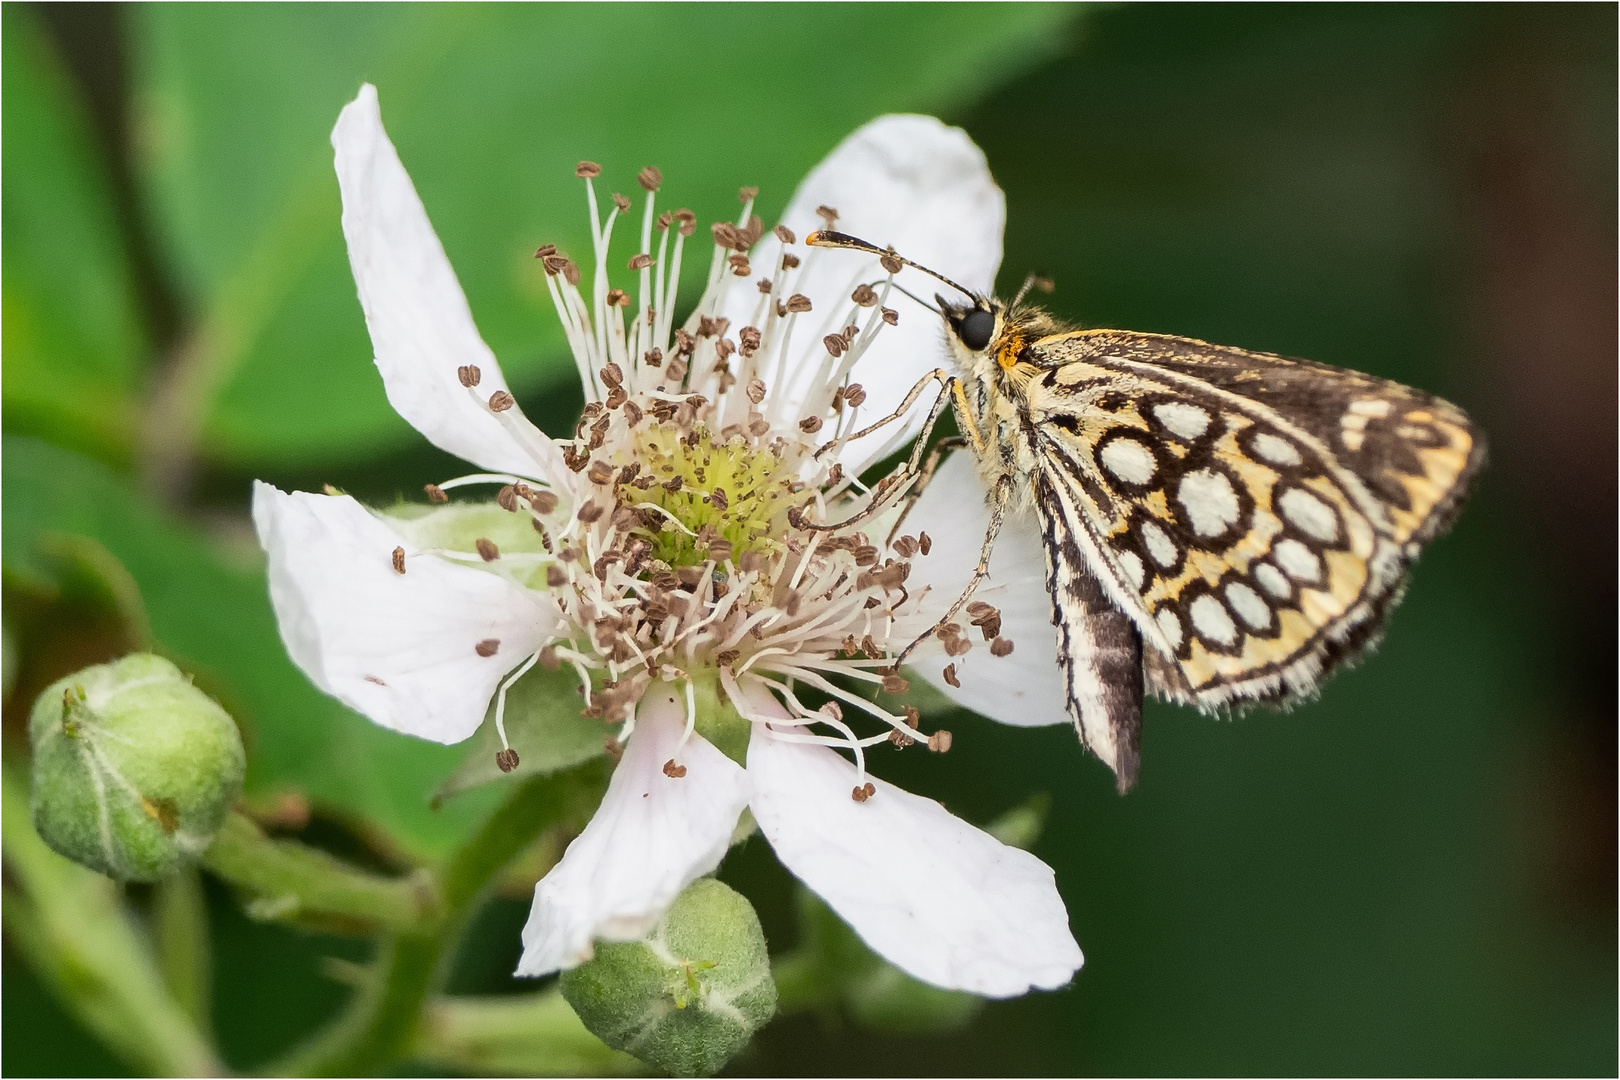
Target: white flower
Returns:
[[668, 562]]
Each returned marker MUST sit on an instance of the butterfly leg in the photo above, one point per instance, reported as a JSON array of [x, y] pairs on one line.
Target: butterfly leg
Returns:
[[998, 515], [895, 482], [950, 442]]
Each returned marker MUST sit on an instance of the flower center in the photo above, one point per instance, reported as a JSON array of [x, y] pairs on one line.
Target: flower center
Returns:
[[710, 490]]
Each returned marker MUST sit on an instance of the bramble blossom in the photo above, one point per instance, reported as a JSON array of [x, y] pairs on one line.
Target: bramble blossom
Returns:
[[663, 550]]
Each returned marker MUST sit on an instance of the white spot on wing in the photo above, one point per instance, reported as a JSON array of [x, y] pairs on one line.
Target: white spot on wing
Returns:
[[1170, 625], [1377, 408], [1159, 545], [1309, 515], [1129, 460], [1275, 449], [1187, 421], [1271, 579], [1298, 560], [1211, 621], [1135, 572], [1209, 500], [1248, 605]]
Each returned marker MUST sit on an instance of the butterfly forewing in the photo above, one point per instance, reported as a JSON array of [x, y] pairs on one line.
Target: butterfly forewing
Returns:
[[1252, 515]]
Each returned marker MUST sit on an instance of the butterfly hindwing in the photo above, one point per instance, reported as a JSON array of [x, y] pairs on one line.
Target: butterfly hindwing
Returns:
[[1253, 516]]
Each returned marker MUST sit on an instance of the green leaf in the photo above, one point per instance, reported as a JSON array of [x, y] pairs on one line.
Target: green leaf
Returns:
[[73, 343], [213, 616], [491, 107]]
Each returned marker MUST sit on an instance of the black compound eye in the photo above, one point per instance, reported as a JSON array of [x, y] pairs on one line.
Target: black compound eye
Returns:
[[976, 328]]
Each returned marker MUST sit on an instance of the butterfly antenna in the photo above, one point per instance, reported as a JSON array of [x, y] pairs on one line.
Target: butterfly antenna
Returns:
[[830, 239], [1034, 281]]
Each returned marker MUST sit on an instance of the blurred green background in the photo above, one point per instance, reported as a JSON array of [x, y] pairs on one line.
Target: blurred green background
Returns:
[[1415, 874]]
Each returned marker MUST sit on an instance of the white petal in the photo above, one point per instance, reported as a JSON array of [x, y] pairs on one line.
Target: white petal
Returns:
[[939, 899], [1025, 689], [907, 181], [421, 328], [400, 649], [652, 836]]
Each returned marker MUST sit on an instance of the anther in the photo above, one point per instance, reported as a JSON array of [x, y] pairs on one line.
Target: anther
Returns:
[[764, 285], [506, 760], [759, 426], [649, 178], [435, 493], [618, 298], [940, 741], [674, 771], [720, 550], [488, 647], [859, 794], [719, 499], [752, 562], [469, 375], [676, 371], [890, 262], [664, 220], [653, 357], [784, 234], [399, 560], [641, 261], [748, 340], [924, 543], [487, 549], [863, 295], [905, 547], [688, 221], [612, 374], [827, 214], [798, 302], [591, 513], [789, 261], [950, 676], [834, 344], [870, 789], [622, 202], [544, 502], [587, 170], [500, 401], [747, 194], [810, 425], [1001, 647], [755, 391], [545, 251], [891, 316], [556, 576], [600, 472], [855, 395], [894, 684], [866, 555]]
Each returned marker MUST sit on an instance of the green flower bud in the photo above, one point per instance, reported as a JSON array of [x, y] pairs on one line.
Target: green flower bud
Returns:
[[687, 996], [134, 767]]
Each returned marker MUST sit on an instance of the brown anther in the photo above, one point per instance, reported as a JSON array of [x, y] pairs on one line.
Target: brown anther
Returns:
[[545, 251], [622, 202], [690, 575], [720, 550], [664, 220], [399, 560], [859, 794], [506, 760], [759, 427], [1001, 647], [789, 260], [719, 499], [784, 234], [747, 194], [752, 562], [791, 604], [900, 739], [863, 295], [866, 555], [629, 472], [500, 401], [600, 472], [727, 658], [747, 340], [835, 475], [764, 285], [487, 549], [556, 576], [739, 265], [855, 395], [755, 391], [798, 302], [925, 544], [913, 717], [570, 272], [905, 547], [832, 709], [587, 170], [575, 459], [617, 396], [725, 234], [674, 771], [633, 413], [641, 261], [810, 425], [870, 789], [834, 344], [618, 298], [827, 214], [506, 498], [950, 676], [554, 264], [626, 518], [549, 659], [649, 178], [469, 374], [544, 502], [889, 262], [488, 647], [894, 684], [891, 316], [568, 555], [435, 493], [688, 221], [612, 374], [940, 741], [591, 513]]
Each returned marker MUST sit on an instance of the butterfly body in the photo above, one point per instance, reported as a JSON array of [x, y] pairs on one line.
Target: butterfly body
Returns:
[[1221, 526]]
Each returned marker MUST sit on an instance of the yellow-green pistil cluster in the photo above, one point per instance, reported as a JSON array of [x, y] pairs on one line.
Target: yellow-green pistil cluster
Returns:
[[719, 500]]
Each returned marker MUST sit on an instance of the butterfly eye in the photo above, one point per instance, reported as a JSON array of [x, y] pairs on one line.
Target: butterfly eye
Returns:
[[976, 328]]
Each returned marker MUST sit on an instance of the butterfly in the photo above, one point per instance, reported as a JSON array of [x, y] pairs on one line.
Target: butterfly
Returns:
[[1221, 526]]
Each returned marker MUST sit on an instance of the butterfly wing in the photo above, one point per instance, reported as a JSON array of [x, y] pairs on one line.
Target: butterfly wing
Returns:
[[1254, 516], [1098, 645]]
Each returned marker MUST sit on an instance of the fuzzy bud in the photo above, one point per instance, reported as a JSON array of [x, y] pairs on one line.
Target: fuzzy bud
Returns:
[[690, 995], [134, 768]]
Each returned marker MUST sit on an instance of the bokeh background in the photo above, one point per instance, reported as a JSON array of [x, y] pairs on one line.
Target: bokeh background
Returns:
[[1414, 874]]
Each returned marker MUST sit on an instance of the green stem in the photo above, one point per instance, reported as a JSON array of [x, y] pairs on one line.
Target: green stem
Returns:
[[294, 881], [180, 930], [516, 1035], [383, 1021], [69, 925]]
